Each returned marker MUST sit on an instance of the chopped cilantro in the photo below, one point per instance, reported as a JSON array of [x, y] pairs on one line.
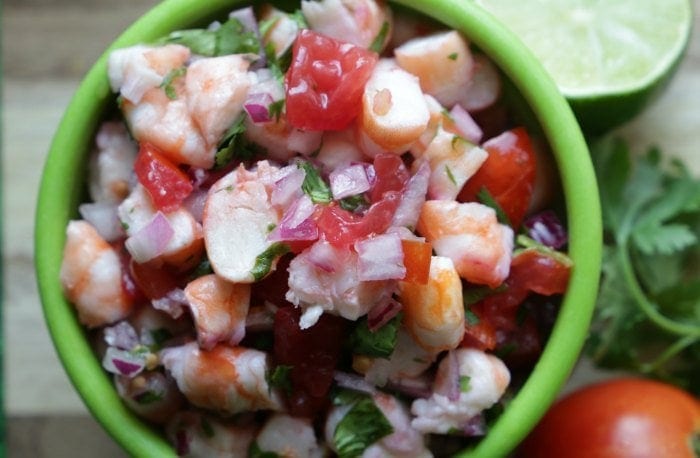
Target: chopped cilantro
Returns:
[[167, 84], [353, 203], [263, 263], [230, 38], [275, 109], [473, 294], [207, 428], [453, 56], [456, 140], [361, 427], [203, 268], [448, 170], [279, 378], [464, 383], [148, 397], [487, 199], [314, 185], [159, 336], [378, 42], [256, 452], [232, 146], [124, 225], [380, 343], [471, 317]]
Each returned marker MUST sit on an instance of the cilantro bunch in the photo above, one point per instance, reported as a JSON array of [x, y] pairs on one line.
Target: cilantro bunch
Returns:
[[647, 318]]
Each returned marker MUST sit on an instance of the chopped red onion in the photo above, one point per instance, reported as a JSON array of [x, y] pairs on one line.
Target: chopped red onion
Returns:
[[353, 382], [485, 86], [475, 426], [288, 188], [547, 229], [413, 198], [257, 105], [104, 218], [122, 335], [323, 256], [195, 202], [182, 442], [447, 381], [466, 125], [297, 222], [381, 314], [348, 181], [172, 303], [380, 258], [151, 240], [123, 362]]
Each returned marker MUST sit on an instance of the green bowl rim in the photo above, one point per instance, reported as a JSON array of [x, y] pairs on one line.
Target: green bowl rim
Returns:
[[539, 91]]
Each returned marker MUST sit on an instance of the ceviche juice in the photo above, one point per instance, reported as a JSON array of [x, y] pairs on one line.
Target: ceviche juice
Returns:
[[315, 232]]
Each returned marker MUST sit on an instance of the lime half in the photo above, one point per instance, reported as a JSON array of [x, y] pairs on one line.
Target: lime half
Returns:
[[608, 57]]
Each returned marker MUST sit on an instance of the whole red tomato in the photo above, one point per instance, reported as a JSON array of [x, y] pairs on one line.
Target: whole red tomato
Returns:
[[625, 417]]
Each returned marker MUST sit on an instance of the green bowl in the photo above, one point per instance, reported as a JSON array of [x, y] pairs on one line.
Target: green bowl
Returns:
[[61, 192]]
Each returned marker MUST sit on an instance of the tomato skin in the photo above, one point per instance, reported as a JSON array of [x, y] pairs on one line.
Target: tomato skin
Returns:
[[624, 417], [531, 271], [153, 280], [325, 82], [341, 227], [167, 185], [313, 354], [508, 174]]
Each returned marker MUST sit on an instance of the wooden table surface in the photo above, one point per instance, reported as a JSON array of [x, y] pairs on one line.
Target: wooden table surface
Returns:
[[47, 45]]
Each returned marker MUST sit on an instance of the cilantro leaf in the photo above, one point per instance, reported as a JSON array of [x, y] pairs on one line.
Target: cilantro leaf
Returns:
[[647, 317], [233, 146], [363, 425], [379, 343], [487, 199], [279, 378], [230, 38], [314, 185], [255, 451], [378, 42], [167, 84], [263, 263]]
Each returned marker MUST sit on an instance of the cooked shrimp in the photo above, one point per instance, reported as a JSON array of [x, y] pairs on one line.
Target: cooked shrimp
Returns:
[[282, 30], [219, 309], [482, 379], [355, 21], [224, 379], [289, 437], [332, 286], [434, 312], [408, 360], [196, 435], [470, 235], [91, 276], [237, 218], [339, 148], [453, 160], [404, 441], [394, 111], [441, 61], [151, 395], [136, 70], [111, 165], [280, 140], [216, 89], [169, 126], [186, 245]]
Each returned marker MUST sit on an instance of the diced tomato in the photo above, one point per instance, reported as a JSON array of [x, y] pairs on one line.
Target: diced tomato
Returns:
[[531, 271], [167, 185], [508, 174], [312, 353], [154, 281], [390, 175], [416, 259], [541, 273], [341, 227], [325, 82], [481, 336]]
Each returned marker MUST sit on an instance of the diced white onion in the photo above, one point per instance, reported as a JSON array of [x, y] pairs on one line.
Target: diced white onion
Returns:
[[380, 258], [151, 240], [348, 181]]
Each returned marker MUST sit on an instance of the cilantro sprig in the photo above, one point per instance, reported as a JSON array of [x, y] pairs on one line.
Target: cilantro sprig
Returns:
[[647, 317]]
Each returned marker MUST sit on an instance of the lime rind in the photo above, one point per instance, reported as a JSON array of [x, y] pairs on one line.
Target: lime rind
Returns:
[[608, 58]]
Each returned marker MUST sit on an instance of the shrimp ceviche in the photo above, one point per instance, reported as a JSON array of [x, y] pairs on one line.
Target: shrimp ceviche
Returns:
[[315, 233]]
